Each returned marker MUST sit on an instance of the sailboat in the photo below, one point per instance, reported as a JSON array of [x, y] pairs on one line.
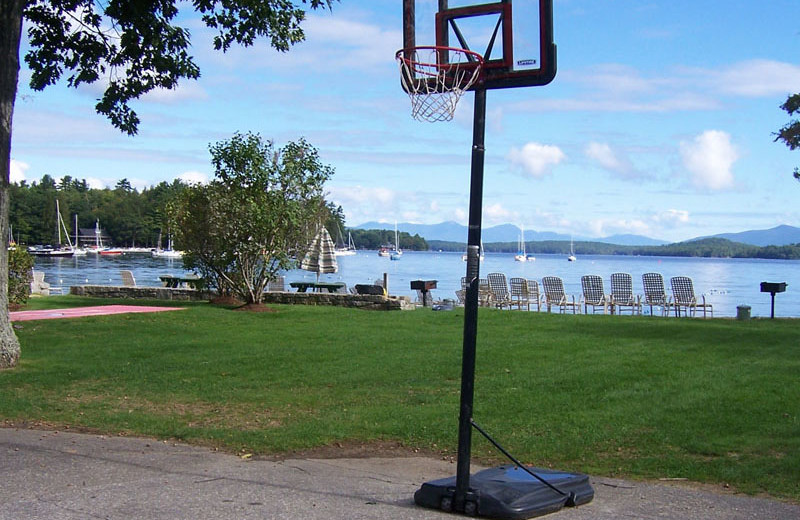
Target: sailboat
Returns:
[[346, 250], [169, 252], [77, 251], [571, 257], [521, 256], [396, 253], [60, 250], [99, 248]]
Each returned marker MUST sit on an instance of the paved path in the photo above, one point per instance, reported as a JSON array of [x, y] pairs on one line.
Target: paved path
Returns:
[[80, 312], [65, 476]]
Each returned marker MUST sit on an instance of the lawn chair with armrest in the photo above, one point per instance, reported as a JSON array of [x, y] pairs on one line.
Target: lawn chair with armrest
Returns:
[[520, 294], [622, 294], [498, 289], [534, 294], [654, 293], [593, 294], [683, 297], [554, 295]]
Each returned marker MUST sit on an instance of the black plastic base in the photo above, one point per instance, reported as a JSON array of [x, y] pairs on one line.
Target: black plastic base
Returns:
[[509, 492]]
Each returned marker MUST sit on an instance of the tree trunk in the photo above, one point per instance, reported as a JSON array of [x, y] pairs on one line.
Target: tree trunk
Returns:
[[10, 32]]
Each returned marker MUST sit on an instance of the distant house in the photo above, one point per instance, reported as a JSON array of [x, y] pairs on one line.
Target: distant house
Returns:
[[93, 237]]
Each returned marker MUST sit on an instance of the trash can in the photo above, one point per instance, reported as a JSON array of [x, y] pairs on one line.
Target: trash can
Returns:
[[742, 312]]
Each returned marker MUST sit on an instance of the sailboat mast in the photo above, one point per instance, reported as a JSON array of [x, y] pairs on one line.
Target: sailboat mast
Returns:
[[58, 223]]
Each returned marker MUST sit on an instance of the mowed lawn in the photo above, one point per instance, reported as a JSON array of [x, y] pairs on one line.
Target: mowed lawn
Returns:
[[713, 401]]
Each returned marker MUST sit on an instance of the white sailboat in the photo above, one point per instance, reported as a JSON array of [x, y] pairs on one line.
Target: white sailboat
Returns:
[[169, 252], [521, 256], [346, 250], [98, 238], [396, 253], [77, 250], [59, 250], [571, 257], [98, 247]]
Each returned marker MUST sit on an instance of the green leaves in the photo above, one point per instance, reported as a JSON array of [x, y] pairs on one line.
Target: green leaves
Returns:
[[790, 133], [135, 47], [257, 214]]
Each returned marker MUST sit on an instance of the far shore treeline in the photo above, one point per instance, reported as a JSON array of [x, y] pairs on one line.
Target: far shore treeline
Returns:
[[136, 218], [704, 248], [133, 218]]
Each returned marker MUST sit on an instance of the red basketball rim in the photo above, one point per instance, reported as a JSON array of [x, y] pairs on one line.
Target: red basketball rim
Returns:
[[401, 56]]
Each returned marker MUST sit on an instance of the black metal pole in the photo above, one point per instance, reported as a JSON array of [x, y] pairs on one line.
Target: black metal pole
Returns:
[[471, 304], [772, 309]]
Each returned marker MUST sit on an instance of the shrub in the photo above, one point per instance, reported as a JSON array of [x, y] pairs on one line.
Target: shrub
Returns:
[[20, 274]]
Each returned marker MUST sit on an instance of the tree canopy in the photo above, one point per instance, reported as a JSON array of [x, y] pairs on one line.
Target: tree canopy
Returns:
[[128, 216], [256, 216], [137, 47], [790, 133]]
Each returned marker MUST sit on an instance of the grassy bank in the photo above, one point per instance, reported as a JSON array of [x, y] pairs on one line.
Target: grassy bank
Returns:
[[707, 400]]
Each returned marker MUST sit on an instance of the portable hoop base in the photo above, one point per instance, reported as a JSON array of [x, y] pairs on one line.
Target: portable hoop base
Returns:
[[508, 492]]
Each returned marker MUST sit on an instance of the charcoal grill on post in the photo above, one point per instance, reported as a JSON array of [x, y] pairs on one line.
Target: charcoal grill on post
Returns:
[[423, 286], [773, 288]]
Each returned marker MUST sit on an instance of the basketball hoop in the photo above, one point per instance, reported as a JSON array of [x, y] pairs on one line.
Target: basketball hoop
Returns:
[[435, 78]]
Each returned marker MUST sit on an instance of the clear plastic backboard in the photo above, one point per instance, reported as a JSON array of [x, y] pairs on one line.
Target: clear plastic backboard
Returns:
[[515, 38]]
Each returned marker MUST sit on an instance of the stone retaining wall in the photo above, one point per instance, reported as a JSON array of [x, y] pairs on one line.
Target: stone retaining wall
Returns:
[[359, 301], [153, 293], [368, 302]]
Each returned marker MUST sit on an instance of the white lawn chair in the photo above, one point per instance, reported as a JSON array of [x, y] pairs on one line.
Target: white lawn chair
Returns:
[[554, 295]]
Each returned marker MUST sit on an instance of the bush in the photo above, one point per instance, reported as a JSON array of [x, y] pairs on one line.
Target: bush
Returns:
[[20, 275]]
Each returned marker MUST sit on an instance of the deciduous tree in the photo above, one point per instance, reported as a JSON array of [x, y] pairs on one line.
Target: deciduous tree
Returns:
[[255, 217], [790, 133], [132, 46]]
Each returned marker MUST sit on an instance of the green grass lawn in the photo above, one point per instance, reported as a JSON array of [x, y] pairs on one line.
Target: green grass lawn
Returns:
[[639, 397]]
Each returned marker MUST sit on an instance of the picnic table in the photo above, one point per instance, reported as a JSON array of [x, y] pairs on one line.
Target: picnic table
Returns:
[[175, 282], [331, 287]]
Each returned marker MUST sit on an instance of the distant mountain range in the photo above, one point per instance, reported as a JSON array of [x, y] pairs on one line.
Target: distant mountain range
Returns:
[[455, 232], [777, 236]]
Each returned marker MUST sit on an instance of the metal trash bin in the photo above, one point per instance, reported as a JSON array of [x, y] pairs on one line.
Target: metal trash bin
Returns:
[[743, 312]]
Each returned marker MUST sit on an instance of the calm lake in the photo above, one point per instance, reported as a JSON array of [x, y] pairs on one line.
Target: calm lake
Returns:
[[725, 282]]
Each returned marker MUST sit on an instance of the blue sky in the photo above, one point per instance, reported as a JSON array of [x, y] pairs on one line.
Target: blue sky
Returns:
[[660, 122]]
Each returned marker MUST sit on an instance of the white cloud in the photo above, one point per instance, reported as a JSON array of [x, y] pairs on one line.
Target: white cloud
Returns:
[[95, 183], [671, 217], [757, 78], [346, 195], [332, 43], [362, 203], [609, 159], [365, 44], [709, 158], [194, 177], [606, 227], [186, 90], [536, 159], [496, 213], [18, 170], [619, 79], [614, 87]]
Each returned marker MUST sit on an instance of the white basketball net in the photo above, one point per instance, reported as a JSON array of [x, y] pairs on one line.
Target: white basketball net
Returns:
[[435, 78]]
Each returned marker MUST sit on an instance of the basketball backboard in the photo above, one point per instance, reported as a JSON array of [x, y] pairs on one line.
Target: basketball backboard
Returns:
[[515, 38]]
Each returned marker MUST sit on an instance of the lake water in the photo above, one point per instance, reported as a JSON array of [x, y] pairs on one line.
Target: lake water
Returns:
[[725, 282]]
